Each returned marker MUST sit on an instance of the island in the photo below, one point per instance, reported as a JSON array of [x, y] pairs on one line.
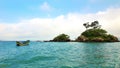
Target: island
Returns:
[[93, 33], [61, 38], [96, 35]]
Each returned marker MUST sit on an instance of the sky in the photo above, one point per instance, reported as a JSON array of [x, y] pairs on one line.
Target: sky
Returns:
[[45, 19]]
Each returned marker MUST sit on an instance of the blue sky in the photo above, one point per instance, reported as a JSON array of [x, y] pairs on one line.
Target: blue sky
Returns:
[[14, 10], [44, 19]]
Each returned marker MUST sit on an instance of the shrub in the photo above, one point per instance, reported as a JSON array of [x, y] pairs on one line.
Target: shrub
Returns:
[[61, 38]]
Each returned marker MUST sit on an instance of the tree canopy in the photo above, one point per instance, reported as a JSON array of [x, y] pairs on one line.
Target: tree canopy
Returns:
[[94, 25], [94, 32], [61, 38]]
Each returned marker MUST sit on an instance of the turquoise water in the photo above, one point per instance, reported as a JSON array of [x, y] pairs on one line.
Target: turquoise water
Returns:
[[60, 55]]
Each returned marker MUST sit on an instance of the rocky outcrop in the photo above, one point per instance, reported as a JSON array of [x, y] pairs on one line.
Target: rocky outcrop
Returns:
[[81, 39]]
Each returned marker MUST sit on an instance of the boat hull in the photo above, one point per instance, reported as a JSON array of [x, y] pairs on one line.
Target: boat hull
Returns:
[[25, 43]]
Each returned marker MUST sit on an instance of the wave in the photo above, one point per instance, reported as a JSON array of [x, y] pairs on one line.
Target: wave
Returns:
[[36, 59]]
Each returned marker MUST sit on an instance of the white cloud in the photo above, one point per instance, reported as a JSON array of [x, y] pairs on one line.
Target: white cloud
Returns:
[[45, 7], [71, 24]]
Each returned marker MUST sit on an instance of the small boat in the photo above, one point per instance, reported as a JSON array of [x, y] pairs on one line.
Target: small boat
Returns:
[[24, 43]]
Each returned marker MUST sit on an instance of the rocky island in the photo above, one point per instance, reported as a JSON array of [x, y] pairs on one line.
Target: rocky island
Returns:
[[61, 38], [95, 34]]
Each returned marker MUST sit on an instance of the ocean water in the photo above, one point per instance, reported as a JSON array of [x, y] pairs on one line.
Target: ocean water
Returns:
[[60, 55]]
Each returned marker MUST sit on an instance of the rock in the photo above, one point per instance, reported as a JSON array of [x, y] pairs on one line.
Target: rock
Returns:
[[98, 39], [82, 39]]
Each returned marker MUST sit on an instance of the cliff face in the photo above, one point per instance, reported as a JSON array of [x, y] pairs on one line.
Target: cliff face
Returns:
[[96, 35]]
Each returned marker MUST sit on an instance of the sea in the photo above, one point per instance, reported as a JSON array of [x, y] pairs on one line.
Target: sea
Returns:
[[60, 55]]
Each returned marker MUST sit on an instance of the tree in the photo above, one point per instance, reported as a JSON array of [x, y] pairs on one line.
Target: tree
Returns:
[[94, 25], [86, 25], [61, 38]]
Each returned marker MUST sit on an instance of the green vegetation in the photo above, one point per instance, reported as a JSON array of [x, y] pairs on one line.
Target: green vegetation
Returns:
[[94, 33], [61, 38], [97, 35]]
